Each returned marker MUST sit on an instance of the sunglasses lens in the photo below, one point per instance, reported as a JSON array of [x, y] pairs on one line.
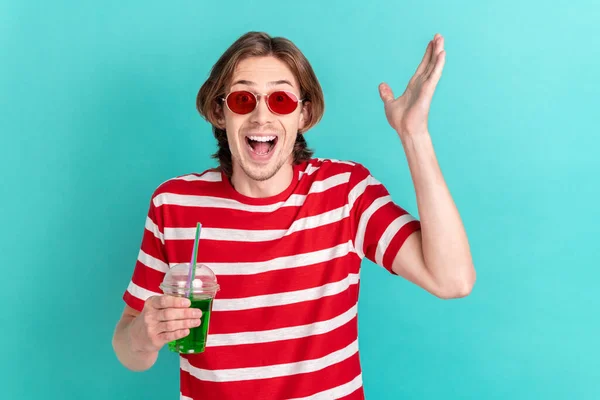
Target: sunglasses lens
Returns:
[[241, 102], [282, 102]]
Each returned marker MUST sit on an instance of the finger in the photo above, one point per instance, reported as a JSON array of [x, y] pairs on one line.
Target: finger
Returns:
[[431, 83], [386, 93], [425, 60], [437, 49], [436, 74], [168, 314], [176, 325], [170, 336], [166, 301]]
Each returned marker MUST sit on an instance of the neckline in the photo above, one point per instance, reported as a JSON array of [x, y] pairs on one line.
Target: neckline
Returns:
[[234, 194]]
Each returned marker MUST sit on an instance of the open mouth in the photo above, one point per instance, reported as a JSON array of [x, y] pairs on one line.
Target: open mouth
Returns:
[[261, 145]]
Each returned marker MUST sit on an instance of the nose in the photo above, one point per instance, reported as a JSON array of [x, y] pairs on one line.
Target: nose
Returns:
[[261, 114]]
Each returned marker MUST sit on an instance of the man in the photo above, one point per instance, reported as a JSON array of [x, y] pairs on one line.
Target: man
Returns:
[[285, 234]]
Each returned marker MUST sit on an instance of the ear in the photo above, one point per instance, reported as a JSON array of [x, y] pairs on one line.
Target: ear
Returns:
[[219, 115], [305, 116]]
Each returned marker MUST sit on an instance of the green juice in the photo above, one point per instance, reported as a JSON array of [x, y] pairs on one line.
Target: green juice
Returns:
[[195, 342]]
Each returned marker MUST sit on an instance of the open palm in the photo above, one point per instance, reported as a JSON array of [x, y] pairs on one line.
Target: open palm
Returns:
[[408, 113]]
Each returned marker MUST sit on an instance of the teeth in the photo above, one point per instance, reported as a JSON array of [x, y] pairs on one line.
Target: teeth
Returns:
[[262, 138]]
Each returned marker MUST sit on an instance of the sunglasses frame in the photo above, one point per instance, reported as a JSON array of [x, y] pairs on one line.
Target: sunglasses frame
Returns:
[[258, 96]]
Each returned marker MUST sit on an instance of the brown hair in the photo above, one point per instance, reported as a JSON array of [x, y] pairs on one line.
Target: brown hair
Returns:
[[259, 44]]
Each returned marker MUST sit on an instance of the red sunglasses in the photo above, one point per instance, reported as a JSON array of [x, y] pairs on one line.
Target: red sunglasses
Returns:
[[279, 102]]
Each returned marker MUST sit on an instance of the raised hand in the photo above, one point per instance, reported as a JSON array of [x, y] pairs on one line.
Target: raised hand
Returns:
[[408, 114]]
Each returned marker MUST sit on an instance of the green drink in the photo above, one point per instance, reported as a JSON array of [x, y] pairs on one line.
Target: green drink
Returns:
[[202, 291], [195, 342]]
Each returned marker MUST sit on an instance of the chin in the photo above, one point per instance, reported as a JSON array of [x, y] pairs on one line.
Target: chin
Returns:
[[260, 173]]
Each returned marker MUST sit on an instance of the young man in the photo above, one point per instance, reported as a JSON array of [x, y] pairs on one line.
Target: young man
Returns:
[[285, 234]]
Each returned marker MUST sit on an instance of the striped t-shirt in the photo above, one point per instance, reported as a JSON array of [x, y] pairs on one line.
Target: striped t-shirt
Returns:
[[284, 324]]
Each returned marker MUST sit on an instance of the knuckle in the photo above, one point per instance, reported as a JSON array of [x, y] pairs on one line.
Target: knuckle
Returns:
[[149, 302], [147, 318], [171, 325], [164, 301], [169, 314]]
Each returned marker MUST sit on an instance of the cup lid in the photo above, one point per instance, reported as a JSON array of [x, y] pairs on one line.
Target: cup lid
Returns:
[[175, 279]]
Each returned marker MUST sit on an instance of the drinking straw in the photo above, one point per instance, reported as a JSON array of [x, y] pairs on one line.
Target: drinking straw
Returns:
[[192, 272]]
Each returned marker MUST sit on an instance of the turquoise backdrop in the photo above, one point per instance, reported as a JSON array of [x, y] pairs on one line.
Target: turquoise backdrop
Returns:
[[97, 107]]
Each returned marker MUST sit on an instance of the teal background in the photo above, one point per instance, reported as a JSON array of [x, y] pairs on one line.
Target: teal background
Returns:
[[97, 109]]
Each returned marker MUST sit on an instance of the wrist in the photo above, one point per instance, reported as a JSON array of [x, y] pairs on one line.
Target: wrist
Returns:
[[416, 141], [412, 133]]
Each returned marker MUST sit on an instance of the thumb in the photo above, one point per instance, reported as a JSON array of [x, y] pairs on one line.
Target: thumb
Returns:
[[385, 91]]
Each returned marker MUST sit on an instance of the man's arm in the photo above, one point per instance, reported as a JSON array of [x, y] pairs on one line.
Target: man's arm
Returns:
[[122, 344], [438, 258]]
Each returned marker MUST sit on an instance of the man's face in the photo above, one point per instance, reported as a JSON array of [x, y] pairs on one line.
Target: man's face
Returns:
[[261, 142]]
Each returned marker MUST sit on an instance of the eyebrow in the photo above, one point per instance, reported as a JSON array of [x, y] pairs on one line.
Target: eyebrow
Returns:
[[273, 83]]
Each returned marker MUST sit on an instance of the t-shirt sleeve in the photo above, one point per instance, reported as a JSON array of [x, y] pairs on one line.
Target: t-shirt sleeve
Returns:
[[151, 265], [380, 227]]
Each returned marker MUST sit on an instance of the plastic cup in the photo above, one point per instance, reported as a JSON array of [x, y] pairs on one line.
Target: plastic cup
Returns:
[[203, 290]]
